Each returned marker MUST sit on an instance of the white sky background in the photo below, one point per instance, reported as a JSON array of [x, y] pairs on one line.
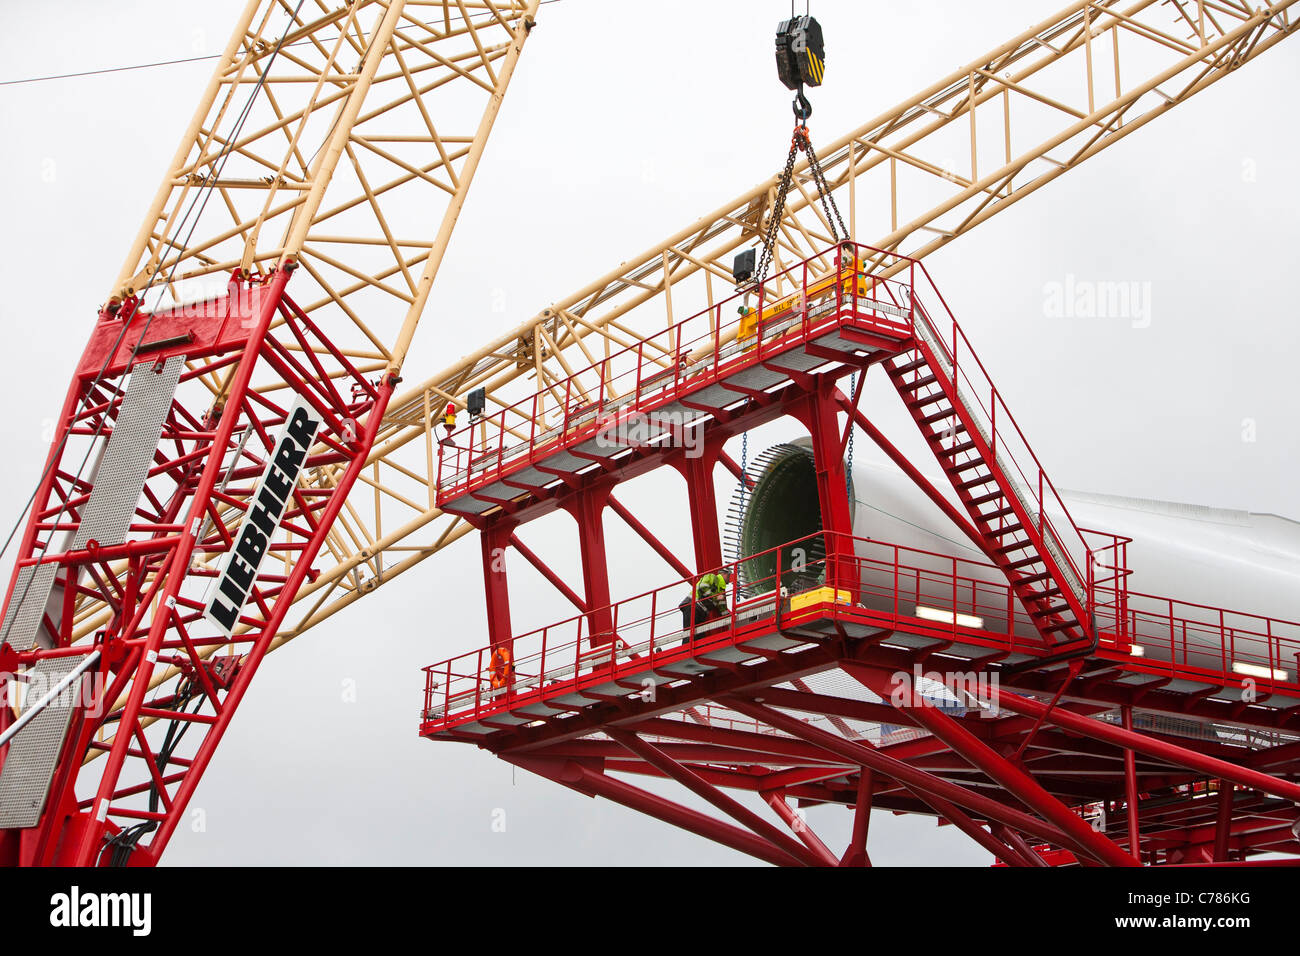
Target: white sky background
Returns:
[[624, 123]]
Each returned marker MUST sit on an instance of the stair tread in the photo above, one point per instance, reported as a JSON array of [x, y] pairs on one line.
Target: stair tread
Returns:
[[1034, 578], [1047, 612], [926, 400], [1004, 530]]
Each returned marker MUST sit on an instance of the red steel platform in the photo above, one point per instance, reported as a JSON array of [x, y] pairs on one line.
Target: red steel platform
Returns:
[[777, 698], [1031, 699]]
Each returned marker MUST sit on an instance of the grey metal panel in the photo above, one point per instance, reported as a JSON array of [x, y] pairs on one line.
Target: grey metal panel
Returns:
[[531, 477], [33, 753], [757, 377], [118, 482], [22, 623], [563, 461], [120, 477], [497, 490], [797, 359], [718, 396], [840, 344], [471, 505]]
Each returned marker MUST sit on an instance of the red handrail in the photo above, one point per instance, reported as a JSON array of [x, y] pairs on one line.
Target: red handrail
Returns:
[[886, 579], [462, 465]]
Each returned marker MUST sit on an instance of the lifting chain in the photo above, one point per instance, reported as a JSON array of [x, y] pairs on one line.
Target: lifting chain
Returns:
[[800, 141], [848, 470]]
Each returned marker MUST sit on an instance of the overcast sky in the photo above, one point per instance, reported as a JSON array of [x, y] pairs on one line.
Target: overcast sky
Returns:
[[625, 122]]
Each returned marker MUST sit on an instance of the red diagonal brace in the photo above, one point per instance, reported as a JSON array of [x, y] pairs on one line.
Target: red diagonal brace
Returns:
[[545, 571], [701, 788], [1152, 747], [911, 777], [593, 784], [1012, 778], [659, 548], [800, 829]]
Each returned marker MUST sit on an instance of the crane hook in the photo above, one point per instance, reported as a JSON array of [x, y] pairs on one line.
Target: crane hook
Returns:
[[802, 108]]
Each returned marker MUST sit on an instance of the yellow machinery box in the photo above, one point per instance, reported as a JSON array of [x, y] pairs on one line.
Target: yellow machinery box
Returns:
[[824, 595]]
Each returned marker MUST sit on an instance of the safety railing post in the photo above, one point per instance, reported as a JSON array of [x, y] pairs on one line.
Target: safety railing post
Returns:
[[776, 585], [541, 664], [614, 632], [654, 620], [1226, 642], [717, 337], [896, 570], [839, 285], [478, 683], [1089, 593], [690, 615], [1268, 636], [1041, 509], [577, 649], [954, 596], [437, 481], [1173, 634], [1011, 616], [567, 419], [911, 296], [613, 636], [802, 300], [678, 349]]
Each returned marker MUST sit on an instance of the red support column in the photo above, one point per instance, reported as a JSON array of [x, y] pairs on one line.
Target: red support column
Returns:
[[495, 538], [819, 414], [856, 854], [1223, 825], [1131, 790], [701, 493], [588, 510]]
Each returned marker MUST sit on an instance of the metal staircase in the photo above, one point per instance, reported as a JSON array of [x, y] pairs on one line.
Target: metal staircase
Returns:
[[1022, 521]]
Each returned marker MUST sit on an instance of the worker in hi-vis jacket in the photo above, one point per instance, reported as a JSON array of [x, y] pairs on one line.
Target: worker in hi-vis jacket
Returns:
[[709, 600]]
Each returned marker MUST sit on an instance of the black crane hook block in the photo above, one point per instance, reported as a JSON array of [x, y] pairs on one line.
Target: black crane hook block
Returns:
[[800, 52]]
